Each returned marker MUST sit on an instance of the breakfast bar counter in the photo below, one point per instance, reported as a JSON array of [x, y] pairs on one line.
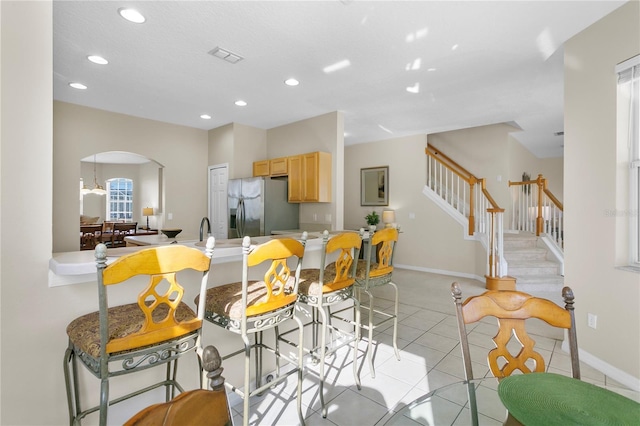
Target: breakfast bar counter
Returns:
[[80, 267]]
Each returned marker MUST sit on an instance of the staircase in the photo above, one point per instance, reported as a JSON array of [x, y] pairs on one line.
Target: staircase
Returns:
[[530, 262]]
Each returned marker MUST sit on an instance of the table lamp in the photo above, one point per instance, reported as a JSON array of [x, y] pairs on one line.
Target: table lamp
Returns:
[[147, 211], [388, 218]]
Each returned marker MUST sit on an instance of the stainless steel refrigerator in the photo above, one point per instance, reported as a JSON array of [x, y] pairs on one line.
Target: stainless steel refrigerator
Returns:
[[259, 205]]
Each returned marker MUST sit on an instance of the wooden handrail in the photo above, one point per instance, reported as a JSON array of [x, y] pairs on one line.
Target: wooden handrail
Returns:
[[467, 177], [553, 198], [449, 163], [493, 203]]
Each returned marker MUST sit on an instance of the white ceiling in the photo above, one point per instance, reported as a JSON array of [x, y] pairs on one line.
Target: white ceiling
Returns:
[[507, 65]]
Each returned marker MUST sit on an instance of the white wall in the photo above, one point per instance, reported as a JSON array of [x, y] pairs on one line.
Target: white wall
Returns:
[[249, 145], [221, 147], [322, 133], [483, 151], [590, 191], [32, 329], [522, 160], [80, 131], [431, 240]]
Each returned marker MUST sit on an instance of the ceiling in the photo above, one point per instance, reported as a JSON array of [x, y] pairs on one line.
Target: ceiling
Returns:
[[406, 67]]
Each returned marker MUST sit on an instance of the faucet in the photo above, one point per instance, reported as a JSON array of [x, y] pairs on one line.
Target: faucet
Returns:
[[202, 222]]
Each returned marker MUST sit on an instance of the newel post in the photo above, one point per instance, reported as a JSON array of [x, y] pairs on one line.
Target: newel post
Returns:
[[497, 279], [540, 181], [472, 207]]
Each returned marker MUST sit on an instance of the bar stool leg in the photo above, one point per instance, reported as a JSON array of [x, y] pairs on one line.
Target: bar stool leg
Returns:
[[323, 352], [247, 374], [300, 368], [369, 349], [356, 342], [395, 322]]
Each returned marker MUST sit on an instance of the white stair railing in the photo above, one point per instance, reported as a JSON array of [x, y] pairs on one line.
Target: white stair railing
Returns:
[[468, 196], [535, 209], [450, 184]]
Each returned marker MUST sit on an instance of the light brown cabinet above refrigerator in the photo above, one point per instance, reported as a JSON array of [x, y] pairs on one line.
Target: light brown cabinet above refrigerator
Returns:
[[261, 168], [275, 167], [279, 166], [309, 175]]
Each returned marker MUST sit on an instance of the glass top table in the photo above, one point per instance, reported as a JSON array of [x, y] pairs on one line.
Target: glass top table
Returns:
[[463, 403], [466, 403]]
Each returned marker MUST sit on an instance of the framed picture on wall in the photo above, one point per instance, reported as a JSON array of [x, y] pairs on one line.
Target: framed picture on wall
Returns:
[[374, 186]]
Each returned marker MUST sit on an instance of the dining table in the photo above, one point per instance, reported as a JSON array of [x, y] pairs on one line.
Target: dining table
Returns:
[[526, 399]]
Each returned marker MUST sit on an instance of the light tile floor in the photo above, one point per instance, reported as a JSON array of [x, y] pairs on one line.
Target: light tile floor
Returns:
[[429, 358]]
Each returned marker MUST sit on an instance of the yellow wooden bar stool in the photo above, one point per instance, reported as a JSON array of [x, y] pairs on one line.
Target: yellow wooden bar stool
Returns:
[[248, 308], [155, 330], [371, 274], [322, 288]]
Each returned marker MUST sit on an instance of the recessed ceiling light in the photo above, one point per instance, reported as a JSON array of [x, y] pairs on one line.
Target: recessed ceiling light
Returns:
[[206, 116], [131, 15], [241, 103], [291, 82], [97, 59], [78, 86]]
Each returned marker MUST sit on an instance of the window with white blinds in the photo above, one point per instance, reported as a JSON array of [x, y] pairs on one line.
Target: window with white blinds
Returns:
[[629, 115], [120, 199]]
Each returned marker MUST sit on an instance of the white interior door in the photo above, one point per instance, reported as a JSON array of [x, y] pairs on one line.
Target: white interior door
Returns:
[[218, 176]]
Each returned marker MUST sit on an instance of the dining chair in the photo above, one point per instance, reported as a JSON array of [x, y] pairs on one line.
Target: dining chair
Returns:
[[89, 236], [121, 230], [157, 329], [250, 307], [202, 407], [108, 233], [512, 309], [329, 285], [372, 274]]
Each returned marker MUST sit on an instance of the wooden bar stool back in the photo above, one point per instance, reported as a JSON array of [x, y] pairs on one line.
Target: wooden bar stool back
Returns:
[[376, 273], [515, 348], [157, 329], [250, 307], [327, 286]]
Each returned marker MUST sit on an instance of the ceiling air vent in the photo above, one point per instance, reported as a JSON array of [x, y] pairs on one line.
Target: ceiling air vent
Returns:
[[228, 56]]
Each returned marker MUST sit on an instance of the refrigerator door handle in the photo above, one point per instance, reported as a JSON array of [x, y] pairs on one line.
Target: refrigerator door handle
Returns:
[[240, 218]]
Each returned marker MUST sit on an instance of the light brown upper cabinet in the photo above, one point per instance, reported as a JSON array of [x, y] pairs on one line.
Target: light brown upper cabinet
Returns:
[[261, 168], [310, 178], [278, 166]]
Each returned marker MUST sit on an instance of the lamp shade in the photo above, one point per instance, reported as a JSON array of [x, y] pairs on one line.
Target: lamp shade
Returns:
[[147, 211], [388, 216]]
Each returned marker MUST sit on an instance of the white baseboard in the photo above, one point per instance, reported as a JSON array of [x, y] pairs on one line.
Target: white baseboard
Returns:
[[605, 368], [440, 271]]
